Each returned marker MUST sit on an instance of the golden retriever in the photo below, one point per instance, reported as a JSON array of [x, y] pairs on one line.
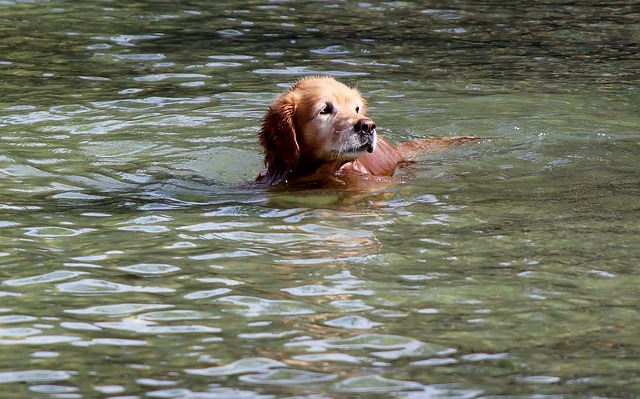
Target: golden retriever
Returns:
[[317, 131]]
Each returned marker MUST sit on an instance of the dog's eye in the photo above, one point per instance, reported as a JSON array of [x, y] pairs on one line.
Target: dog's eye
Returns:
[[357, 110], [327, 109]]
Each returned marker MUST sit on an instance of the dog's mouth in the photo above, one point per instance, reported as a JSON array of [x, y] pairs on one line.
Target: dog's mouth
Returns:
[[366, 142], [356, 144], [370, 141]]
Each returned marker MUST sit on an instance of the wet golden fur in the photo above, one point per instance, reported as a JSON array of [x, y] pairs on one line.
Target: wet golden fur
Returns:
[[318, 131]]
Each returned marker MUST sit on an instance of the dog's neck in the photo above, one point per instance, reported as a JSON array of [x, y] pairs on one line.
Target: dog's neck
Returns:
[[307, 170]]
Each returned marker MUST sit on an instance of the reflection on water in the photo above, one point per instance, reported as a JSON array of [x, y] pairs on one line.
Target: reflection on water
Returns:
[[138, 259]]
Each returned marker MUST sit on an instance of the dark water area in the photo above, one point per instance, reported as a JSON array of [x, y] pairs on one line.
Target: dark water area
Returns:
[[138, 259]]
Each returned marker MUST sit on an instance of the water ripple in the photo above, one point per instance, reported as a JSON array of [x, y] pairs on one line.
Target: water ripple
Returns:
[[44, 278], [39, 340], [352, 287], [217, 226], [389, 346], [222, 255], [122, 309], [269, 335], [24, 171], [242, 366], [539, 379], [261, 307], [151, 382], [16, 318], [140, 57], [207, 293], [52, 232], [35, 376], [147, 103], [287, 377], [167, 76], [303, 70], [211, 393], [146, 269], [225, 281], [95, 286], [350, 305], [117, 342], [79, 326], [172, 315], [30, 118], [140, 326], [375, 383], [330, 50], [128, 40], [331, 357], [53, 390], [353, 322], [17, 332]]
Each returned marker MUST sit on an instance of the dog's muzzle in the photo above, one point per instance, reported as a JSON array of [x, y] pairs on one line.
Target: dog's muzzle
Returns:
[[366, 130]]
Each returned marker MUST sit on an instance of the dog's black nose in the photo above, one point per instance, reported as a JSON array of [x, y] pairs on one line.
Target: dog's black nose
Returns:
[[365, 125]]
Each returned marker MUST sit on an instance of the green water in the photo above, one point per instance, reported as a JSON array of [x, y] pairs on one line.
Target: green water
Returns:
[[138, 260]]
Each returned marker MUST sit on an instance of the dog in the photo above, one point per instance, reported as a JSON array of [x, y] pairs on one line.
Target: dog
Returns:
[[317, 132]]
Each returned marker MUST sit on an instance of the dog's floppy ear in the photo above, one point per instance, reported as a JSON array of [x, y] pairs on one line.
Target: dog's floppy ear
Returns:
[[278, 137]]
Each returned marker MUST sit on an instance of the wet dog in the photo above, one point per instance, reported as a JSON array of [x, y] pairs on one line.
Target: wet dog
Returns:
[[318, 131]]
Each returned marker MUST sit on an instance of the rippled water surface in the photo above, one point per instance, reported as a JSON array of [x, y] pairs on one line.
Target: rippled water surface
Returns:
[[138, 260]]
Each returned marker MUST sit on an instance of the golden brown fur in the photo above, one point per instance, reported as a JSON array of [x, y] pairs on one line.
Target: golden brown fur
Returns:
[[317, 131]]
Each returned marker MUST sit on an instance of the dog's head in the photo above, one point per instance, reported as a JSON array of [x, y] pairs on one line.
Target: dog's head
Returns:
[[316, 122]]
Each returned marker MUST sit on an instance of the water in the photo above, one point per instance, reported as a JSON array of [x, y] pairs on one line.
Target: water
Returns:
[[137, 259]]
